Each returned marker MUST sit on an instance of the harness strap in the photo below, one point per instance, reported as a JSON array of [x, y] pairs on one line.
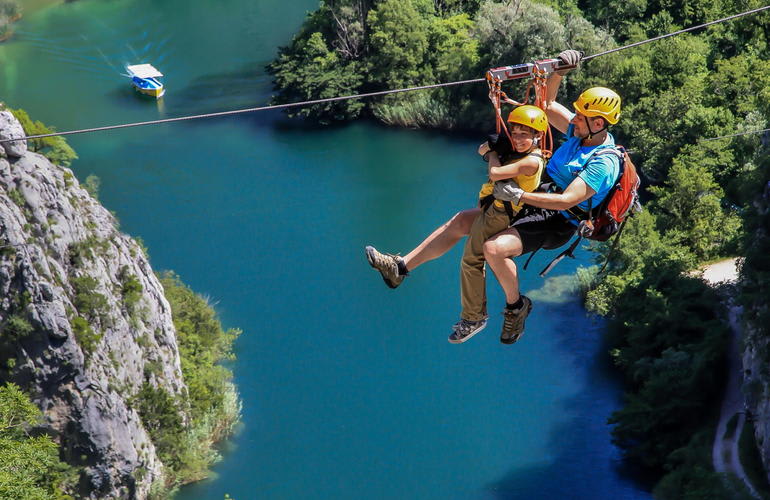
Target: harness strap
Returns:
[[530, 257], [614, 246], [566, 253], [486, 202]]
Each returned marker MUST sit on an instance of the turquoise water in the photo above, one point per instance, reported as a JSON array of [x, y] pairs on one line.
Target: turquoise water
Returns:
[[350, 389]]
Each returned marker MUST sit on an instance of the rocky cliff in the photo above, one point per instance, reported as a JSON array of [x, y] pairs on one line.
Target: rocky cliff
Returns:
[[84, 323], [755, 288]]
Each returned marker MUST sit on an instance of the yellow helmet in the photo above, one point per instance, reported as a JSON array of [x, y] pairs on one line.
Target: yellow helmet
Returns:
[[529, 116], [599, 101]]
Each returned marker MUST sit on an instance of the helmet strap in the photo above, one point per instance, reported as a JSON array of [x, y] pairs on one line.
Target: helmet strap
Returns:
[[591, 133]]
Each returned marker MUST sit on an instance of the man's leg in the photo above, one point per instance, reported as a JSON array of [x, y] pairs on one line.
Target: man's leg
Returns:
[[497, 250]]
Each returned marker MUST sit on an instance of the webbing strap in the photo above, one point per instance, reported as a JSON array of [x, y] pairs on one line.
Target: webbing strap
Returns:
[[614, 246], [566, 253]]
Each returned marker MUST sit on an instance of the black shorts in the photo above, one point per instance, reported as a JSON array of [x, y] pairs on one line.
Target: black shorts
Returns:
[[542, 228]]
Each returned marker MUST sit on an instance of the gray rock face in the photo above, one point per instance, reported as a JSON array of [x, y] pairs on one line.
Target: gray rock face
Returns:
[[756, 388], [86, 345], [10, 128]]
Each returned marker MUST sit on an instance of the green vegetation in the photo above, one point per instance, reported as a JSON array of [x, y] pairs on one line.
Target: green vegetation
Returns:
[[18, 198], [81, 251], [29, 465], [16, 328], [10, 11], [212, 402], [130, 289], [355, 46], [54, 148], [704, 199], [92, 185]]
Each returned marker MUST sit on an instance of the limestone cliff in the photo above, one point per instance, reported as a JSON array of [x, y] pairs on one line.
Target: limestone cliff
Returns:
[[84, 323], [755, 287]]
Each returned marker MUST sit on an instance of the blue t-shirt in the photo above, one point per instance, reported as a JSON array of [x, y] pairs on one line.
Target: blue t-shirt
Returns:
[[600, 174]]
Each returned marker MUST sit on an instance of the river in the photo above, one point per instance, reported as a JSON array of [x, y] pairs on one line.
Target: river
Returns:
[[350, 389]]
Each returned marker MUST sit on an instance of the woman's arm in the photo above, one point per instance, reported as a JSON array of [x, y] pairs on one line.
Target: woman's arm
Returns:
[[525, 166]]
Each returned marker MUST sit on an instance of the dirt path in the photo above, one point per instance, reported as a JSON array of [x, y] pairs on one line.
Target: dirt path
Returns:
[[725, 453]]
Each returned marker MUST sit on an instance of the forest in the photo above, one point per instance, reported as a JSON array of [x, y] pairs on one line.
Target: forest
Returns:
[[705, 196]]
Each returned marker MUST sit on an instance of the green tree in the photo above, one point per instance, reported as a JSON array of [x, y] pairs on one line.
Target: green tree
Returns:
[[399, 43], [692, 202], [29, 465], [310, 70], [54, 148]]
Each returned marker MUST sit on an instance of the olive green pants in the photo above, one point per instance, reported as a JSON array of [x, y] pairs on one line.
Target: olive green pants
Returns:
[[473, 290]]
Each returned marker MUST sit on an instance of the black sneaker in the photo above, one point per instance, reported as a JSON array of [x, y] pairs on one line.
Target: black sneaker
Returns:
[[386, 264], [464, 329], [513, 321]]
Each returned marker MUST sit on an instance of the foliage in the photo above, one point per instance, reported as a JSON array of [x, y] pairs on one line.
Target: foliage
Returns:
[[54, 148], [92, 185], [29, 465], [130, 288], [16, 328], [18, 198], [203, 344], [317, 73], [9, 12], [85, 335], [692, 476], [162, 420], [87, 300], [213, 406], [83, 250], [369, 46]]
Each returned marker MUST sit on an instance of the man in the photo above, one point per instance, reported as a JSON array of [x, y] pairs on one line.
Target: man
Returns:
[[583, 179]]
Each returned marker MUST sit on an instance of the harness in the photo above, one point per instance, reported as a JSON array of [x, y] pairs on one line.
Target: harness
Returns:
[[488, 200], [585, 227]]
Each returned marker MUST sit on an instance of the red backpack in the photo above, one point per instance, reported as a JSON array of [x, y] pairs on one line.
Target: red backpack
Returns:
[[621, 202], [609, 218]]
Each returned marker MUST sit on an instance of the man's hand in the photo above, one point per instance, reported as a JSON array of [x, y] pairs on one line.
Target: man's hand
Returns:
[[484, 148], [507, 191], [570, 57]]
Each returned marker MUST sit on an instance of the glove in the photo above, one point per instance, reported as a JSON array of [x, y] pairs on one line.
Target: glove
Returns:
[[570, 57], [508, 191]]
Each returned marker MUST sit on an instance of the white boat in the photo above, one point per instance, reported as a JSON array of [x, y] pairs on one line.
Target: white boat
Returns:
[[144, 78]]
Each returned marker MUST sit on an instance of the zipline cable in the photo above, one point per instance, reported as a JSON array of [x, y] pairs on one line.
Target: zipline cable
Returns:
[[691, 28], [358, 96]]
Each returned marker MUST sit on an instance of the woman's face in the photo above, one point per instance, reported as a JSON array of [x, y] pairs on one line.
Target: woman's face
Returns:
[[522, 138]]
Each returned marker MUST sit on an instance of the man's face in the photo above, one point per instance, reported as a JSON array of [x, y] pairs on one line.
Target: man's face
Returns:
[[581, 129]]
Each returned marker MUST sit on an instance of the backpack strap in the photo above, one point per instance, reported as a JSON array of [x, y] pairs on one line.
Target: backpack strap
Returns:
[[614, 246]]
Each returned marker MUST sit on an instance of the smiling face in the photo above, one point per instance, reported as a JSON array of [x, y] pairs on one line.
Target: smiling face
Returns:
[[522, 138], [581, 128]]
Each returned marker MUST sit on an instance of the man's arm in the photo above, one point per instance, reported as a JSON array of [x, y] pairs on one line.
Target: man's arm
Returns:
[[577, 192], [558, 115]]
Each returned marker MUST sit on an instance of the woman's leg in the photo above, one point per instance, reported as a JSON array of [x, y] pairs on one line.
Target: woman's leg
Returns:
[[497, 251], [442, 239]]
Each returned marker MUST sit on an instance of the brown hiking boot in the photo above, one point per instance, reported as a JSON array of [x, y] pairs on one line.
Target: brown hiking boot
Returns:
[[386, 264], [513, 321]]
